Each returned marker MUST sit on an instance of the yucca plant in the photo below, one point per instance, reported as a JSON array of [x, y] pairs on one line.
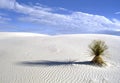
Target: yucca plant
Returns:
[[97, 49]]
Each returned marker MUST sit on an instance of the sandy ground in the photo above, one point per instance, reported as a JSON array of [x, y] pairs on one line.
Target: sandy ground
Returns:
[[36, 58]]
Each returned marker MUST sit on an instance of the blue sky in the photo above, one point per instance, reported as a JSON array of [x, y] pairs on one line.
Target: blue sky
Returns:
[[60, 16]]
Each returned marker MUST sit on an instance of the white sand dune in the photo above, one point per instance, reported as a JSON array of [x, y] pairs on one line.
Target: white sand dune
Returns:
[[34, 58], [18, 34]]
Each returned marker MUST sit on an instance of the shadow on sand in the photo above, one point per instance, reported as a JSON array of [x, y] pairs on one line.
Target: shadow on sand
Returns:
[[52, 63]]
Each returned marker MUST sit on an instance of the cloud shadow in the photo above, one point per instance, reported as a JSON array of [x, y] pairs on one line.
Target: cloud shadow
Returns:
[[52, 63]]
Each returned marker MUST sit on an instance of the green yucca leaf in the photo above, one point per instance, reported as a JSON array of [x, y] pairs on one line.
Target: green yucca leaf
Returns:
[[98, 47]]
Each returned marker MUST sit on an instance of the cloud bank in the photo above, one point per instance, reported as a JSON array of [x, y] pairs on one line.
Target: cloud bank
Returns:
[[73, 22]]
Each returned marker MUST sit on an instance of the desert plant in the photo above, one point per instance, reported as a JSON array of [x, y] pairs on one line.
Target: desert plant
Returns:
[[97, 49]]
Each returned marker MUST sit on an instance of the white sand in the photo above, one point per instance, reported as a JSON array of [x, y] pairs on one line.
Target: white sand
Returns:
[[34, 58]]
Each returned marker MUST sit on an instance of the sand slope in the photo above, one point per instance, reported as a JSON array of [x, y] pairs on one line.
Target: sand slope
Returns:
[[38, 58]]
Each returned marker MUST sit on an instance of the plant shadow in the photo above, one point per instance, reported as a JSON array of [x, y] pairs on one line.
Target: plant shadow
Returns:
[[52, 63]]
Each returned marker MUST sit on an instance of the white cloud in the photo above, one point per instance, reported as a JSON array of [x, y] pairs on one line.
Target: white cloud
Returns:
[[75, 21], [4, 19], [63, 9], [41, 8], [117, 12], [10, 4], [117, 22]]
